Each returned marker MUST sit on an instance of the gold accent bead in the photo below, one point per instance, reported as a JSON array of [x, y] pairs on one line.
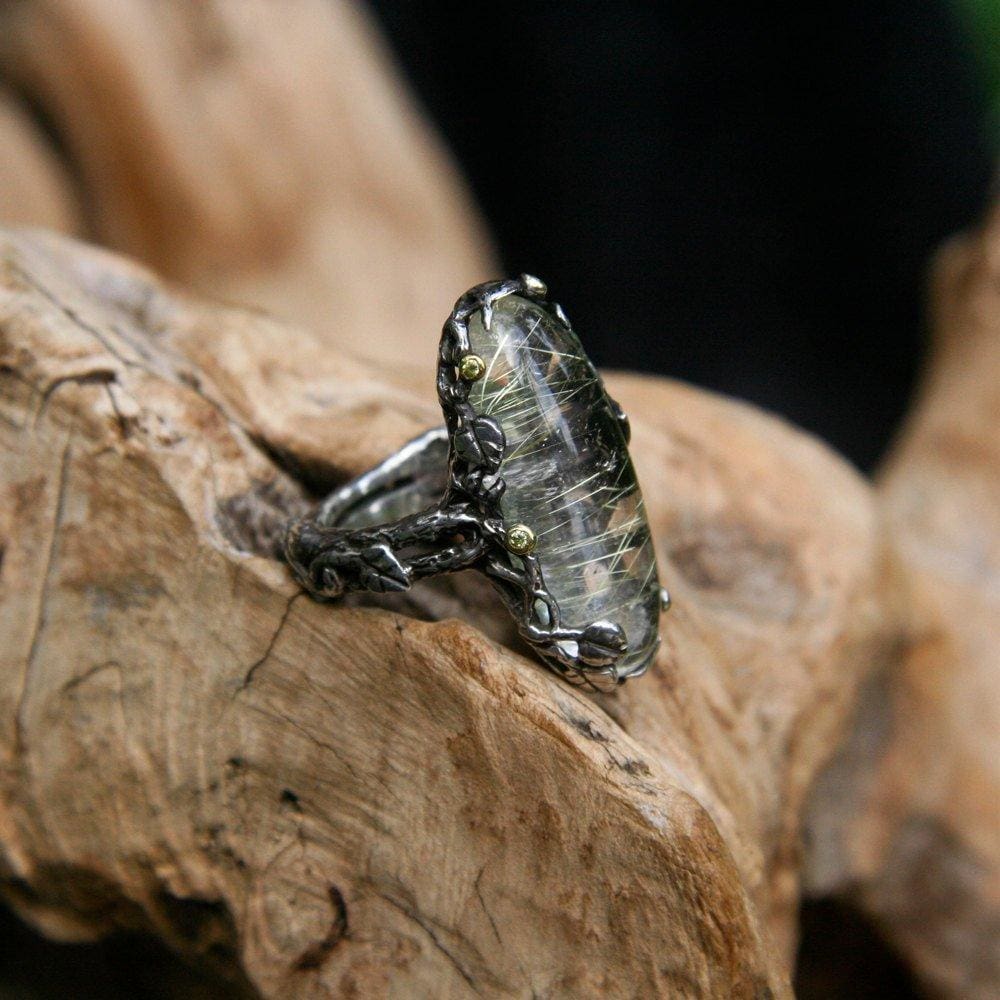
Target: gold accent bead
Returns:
[[472, 368], [521, 539]]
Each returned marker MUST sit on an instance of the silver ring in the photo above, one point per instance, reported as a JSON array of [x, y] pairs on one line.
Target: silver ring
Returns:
[[529, 481]]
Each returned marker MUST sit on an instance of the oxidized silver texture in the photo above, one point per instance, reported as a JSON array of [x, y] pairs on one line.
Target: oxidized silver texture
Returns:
[[535, 441]]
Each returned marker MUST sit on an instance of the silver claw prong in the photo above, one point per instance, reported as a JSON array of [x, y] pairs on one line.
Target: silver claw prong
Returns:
[[534, 287], [622, 417]]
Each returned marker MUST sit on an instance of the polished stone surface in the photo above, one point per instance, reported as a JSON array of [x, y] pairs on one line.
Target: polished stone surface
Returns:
[[568, 473]]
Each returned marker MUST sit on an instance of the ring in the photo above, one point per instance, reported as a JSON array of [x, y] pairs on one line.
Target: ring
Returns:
[[530, 482]]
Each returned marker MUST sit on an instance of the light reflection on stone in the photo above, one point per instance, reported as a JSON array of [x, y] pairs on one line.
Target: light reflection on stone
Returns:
[[568, 473]]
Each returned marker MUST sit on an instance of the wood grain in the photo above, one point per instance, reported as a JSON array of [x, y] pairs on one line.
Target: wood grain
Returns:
[[349, 798], [261, 152], [907, 821], [388, 798]]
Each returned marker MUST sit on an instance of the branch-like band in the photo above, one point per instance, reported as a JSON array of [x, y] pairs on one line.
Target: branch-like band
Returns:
[[434, 507]]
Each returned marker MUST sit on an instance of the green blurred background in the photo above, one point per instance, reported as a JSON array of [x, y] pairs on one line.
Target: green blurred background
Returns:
[[981, 20]]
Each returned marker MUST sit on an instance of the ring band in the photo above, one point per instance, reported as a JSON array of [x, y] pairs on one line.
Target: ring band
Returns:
[[529, 481]]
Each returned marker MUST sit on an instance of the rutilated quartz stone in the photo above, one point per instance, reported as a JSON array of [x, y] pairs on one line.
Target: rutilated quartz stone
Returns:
[[568, 473]]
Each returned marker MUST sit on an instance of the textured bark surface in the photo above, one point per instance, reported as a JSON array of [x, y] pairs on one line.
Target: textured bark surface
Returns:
[[907, 821], [351, 799]]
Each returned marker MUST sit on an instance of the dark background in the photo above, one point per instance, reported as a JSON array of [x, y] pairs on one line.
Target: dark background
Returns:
[[744, 196]]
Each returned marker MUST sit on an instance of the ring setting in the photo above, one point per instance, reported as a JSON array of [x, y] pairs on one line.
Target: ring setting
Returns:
[[530, 482]]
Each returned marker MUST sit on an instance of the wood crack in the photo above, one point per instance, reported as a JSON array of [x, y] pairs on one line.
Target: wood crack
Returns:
[[257, 664], [41, 616], [97, 376], [415, 916]]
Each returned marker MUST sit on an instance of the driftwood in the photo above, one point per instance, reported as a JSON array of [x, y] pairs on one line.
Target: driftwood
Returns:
[[353, 796], [907, 820], [259, 152], [361, 800]]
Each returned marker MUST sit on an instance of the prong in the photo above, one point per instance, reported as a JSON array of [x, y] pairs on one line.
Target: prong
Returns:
[[622, 417], [665, 602], [534, 287]]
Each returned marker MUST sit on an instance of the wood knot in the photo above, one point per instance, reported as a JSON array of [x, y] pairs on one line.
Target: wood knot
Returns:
[[314, 956]]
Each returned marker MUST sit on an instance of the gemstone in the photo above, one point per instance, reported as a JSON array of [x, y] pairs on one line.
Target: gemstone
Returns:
[[568, 473]]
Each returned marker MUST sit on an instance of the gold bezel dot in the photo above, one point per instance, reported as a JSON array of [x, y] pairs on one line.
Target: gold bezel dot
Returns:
[[471, 368], [520, 539]]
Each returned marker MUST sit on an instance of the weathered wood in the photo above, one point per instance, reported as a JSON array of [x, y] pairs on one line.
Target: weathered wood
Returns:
[[189, 747], [262, 152], [348, 798], [907, 822], [35, 187]]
